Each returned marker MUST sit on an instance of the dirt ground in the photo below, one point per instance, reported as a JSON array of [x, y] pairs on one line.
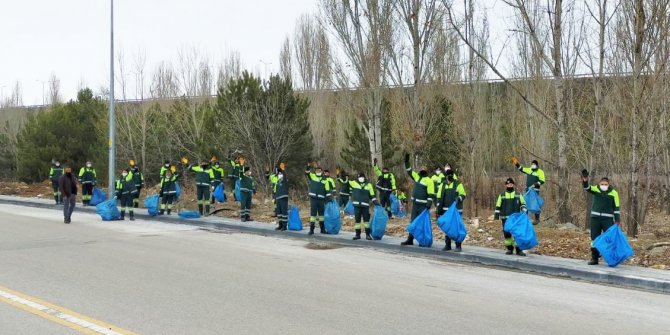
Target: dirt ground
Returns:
[[555, 240]]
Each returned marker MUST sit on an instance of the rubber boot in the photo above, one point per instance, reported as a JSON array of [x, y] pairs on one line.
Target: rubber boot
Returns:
[[520, 252], [123, 215], [169, 211], [458, 247], [358, 235], [249, 218], [201, 209], [594, 257], [510, 250], [284, 226], [279, 226], [322, 228], [409, 241], [367, 234], [161, 212], [136, 203], [132, 215], [537, 220], [56, 199], [447, 245], [311, 228], [207, 210]]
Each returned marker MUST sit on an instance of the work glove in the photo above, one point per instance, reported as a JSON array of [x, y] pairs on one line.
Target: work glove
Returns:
[[160, 194], [524, 209], [375, 161], [585, 175], [459, 199], [406, 159], [537, 185], [515, 161]]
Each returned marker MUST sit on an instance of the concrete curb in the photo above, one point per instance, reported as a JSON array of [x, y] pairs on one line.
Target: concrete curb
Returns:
[[624, 276]]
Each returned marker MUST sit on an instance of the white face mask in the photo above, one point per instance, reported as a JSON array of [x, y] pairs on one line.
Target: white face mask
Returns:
[[438, 171], [248, 173], [124, 174], [319, 174], [534, 167], [361, 179], [88, 165], [604, 188], [167, 165], [57, 164]]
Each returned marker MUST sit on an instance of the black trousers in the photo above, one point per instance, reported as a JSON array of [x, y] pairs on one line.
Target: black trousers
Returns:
[[317, 209], [344, 199], [362, 212], [282, 211], [599, 224], [86, 191], [385, 201], [245, 204], [417, 209]]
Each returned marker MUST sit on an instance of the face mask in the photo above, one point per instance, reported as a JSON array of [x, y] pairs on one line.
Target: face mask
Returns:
[[534, 167], [318, 174], [604, 188], [438, 171], [57, 164], [248, 173], [217, 165], [88, 165], [167, 165], [361, 179], [124, 174], [510, 189], [385, 172]]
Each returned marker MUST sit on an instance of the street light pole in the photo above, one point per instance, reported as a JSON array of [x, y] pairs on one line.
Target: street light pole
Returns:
[[112, 116]]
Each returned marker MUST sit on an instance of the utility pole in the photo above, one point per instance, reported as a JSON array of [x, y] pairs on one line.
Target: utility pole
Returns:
[[112, 116]]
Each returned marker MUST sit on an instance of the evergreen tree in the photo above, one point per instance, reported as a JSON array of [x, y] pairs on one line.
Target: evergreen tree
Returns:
[[68, 133]]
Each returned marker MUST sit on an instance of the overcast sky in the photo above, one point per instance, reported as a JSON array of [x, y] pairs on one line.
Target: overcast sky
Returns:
[[71, 37]]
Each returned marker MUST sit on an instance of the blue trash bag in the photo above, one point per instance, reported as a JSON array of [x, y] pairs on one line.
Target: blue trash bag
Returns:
[[189, 214], [219, 193], [237, 190], [519, 225], [177, 191], [534, 201], [108, 210], [452, 224], [421, 229], [294, 222], [99, 196], [378, 223], [395, 205], [332, 220], [349, 208], [613, 246], [151, 204]]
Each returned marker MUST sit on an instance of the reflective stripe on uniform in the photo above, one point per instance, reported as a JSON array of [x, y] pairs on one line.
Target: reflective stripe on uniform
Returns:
[[607, 215]]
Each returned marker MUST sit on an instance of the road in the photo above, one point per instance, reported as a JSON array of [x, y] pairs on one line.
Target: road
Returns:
[[153, 278]]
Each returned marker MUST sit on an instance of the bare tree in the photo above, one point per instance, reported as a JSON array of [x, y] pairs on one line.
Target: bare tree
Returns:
[[312, 54], [551, 51], [285, 62], [54, 90], [363, 30], [164, 82], [230, 67]]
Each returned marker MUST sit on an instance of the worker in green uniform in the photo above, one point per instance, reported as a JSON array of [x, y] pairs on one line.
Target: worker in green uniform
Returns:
[[203, 183], [54, 174], [219, 173], [534, 178], [319, 190], [345, 189], [281, 199], [449, 191], [235, 170], [422, 195], [385, 186], [605, 210], [247, 190], [363, 194], [273, 179], [125, 193], [168, 191], [88, 180], [508, 203], [138, 177]]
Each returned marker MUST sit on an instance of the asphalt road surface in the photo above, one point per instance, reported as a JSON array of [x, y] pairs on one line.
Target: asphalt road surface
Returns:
[[146, 277]]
